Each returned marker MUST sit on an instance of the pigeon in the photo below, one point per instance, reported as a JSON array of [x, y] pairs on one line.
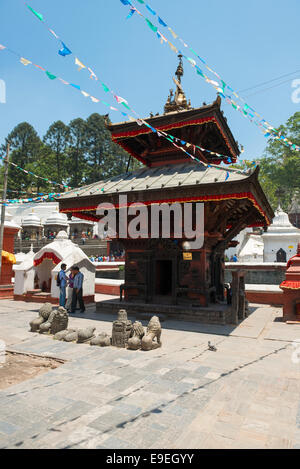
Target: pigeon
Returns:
[[211, 347]]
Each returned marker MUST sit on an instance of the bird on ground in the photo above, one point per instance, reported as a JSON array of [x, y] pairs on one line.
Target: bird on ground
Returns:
[[211, 347]]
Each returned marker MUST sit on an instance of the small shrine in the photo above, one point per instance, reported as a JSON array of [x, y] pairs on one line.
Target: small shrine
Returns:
[[32, 228], [55, 223], [35, 277], [294, 211], [79, 228], [291, 290], [11, 230], [166, 274], [281, 238]]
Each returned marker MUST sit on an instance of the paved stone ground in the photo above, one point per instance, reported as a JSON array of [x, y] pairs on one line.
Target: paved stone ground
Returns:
[[245, 395]]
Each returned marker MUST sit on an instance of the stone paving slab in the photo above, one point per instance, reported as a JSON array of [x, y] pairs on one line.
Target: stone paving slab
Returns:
[[244, 395]]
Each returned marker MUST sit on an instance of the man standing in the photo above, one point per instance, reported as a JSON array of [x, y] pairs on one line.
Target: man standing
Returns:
[[70, 291], [77, 290], [62, 283]]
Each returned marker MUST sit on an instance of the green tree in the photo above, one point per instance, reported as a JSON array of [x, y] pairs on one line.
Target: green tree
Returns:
[[77, 152], [25, 148], [105, 158], [57, 139], [280, 165]]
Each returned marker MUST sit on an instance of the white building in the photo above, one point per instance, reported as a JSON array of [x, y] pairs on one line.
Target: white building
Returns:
[[281, 239], [38, 272], [277, 244]]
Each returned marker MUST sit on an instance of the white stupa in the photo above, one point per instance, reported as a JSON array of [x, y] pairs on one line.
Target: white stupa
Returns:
[[39, 272], [281, 239]]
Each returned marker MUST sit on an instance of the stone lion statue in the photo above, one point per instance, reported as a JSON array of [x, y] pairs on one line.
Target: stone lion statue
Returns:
[[44, 313], [153, 332], [137, 333], [102, 340], [57, 321]]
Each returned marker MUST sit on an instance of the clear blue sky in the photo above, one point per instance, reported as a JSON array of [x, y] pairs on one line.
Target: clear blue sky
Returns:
[[245, 42]]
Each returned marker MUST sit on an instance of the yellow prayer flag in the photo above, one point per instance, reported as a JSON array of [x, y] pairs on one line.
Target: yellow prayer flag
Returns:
[[80, 64], [175, 36], [173, 47], [25, 61]]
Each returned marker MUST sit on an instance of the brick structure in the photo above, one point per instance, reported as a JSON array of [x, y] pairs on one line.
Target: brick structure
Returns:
[[8, 258], [291, 289]]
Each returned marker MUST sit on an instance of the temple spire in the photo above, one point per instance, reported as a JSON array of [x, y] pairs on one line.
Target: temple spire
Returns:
[[177, 102]]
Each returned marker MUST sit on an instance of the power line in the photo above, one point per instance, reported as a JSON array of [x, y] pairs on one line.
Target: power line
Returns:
[[269, 88], [269, 81]]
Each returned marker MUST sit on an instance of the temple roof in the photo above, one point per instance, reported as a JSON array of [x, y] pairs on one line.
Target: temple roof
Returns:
[[205, 126], [56, 218], [31, 220], [183, 182], [169, 176]]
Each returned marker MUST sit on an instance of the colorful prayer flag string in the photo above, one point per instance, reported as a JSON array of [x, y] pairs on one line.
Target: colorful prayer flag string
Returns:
[[221, 87], [123, 102]]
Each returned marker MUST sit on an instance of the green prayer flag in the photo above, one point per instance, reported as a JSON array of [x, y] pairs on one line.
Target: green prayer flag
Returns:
[[200, 73], [154, 28], [126, 105], [49, 75], [106, 89], [234, 106], [38, 15], [141, 1]]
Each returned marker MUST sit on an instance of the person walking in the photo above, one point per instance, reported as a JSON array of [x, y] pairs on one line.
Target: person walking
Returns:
[[77, 290], [61, 282], [70, 291]]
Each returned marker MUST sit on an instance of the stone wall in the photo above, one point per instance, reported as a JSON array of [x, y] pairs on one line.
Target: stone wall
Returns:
[[258, 274]]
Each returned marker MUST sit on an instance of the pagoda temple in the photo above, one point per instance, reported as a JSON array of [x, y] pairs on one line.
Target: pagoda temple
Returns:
[[169, 275]]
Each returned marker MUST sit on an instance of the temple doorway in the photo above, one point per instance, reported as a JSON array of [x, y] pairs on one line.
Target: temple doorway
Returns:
[[163, 278], [281, 256]]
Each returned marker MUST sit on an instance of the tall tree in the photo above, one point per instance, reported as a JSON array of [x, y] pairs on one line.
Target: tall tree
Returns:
[[25, 147], [57, 138], [105, 158], [76, 153]]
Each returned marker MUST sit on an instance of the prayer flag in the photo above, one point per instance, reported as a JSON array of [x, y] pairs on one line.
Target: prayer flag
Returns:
[[49, 75], [162, 22], [64, 51], [25, 61], [151, 26], [80, 64], [150, 9], [38, 15]]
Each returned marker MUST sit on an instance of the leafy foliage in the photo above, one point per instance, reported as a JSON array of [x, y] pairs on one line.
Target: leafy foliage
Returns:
[[75, 154]]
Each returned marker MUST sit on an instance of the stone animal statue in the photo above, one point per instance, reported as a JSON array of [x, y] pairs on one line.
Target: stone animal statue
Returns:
[[135, 341], [72, 336], [84, 335], [121, 330], [57, 321], [62, 334], [60, 321], [44, 313], [102, 340], [153, 332]]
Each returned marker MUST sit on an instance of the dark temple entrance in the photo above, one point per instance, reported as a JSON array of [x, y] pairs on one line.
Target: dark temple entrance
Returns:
[[163, 277]]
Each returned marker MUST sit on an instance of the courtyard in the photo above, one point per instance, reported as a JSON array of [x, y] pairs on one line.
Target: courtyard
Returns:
[[243, 395]]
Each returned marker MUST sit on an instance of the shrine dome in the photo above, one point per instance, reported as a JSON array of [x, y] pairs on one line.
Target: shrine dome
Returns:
[[281, 223], [31, 220], [56, 218]]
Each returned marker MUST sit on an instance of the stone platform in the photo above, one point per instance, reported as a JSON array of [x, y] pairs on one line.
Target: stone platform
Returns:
[[213, 314], [243, 396]]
